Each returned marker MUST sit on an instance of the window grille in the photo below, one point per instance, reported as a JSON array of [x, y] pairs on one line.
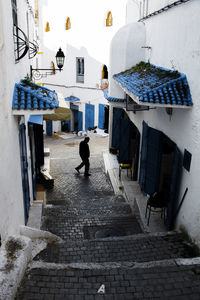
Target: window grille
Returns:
[[80, 69]]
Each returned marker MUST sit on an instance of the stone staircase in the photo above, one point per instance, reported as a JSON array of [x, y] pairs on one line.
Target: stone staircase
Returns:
[[109, 257], [134, 248], [105, 253]]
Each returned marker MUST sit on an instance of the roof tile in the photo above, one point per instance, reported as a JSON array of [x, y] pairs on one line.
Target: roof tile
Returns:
[[30, 96], [156, 85]]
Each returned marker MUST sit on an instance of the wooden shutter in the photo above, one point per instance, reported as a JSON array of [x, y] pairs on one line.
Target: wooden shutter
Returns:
[[101, 116]]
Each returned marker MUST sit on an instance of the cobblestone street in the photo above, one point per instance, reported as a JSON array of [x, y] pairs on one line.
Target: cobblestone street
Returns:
[[104, 252]]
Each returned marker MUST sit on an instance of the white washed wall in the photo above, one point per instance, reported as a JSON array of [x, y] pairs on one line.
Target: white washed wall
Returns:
[[175, 41], [88, 38], [11, 197]]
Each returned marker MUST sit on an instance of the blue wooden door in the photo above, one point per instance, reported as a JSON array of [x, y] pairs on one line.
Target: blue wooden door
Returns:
[[124, 146], [173, 188], [89, 116], [33, 159], [143, 156], [24, 170], [80, 120], [101, 116], [153, 162], [136, 155], [49, 128], [151, 155], [118, 114]]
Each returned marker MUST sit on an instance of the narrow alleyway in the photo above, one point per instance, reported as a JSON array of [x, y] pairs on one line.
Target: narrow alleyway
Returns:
[[104, 253]]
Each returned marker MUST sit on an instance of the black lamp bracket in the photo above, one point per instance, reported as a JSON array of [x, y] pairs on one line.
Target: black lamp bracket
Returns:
[[36, 74]]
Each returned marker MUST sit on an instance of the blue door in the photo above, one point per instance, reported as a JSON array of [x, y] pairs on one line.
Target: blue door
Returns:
[[136, 155], [24, 170], [118, 114], [143, 156], [89, 116], [33, 158], [49, 128], [151, 156], [80, 120], [173, 188], [101, 116], [124, 146]]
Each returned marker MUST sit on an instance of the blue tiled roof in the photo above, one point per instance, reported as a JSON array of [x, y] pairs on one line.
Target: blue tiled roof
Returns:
[[156, 85], [112, 99], [72, 99], [30, 96]]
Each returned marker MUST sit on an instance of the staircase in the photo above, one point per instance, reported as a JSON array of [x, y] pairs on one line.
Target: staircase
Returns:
[[105, 253]]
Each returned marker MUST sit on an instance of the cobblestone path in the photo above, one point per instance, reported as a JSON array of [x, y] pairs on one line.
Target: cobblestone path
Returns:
[[104, 253]]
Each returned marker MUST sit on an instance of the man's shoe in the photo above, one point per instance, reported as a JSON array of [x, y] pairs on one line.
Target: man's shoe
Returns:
[[77, 170], [87, 174]]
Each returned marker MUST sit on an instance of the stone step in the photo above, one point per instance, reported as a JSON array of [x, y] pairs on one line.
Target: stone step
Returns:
[[82, 209], [141, 248], [81, 227], [165, 280]]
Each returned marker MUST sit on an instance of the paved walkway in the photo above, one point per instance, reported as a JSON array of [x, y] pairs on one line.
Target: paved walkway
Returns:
[[104, 253]]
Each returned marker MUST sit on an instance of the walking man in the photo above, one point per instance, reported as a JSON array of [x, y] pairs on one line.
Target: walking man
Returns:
[[84, 153]]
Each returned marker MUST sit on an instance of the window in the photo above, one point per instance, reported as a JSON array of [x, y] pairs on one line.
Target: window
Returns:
[[14, 12], [68, 24], [53, 68], [47, 28], [21, 44], [109, 19], [80, 69], [105, 72]]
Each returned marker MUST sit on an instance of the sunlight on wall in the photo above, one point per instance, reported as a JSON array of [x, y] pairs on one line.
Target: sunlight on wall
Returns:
[[89, 24]]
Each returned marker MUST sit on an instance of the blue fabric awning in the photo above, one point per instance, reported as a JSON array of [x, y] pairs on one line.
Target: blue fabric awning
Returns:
[[72, 99], [150, 85], [36, 119]]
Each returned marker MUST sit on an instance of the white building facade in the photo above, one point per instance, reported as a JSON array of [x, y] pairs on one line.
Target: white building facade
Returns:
[[22, 107], [84, 31], [165, 34], [13, 69]]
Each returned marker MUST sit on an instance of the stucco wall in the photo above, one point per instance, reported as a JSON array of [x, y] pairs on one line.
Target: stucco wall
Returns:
[[174, 39], [11, 197]]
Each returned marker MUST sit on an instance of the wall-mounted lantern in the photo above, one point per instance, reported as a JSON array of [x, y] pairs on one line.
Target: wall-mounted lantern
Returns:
[[60, 58]]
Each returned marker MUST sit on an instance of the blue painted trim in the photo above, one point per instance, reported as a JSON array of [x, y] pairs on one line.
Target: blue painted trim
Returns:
[[36, 119]]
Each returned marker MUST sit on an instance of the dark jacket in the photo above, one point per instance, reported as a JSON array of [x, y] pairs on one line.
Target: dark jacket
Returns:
[[84, 150]]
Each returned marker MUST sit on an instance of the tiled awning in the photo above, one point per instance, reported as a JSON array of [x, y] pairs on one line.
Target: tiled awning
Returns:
[[112, 99], [154, 86], [32, 99], [28, 96]]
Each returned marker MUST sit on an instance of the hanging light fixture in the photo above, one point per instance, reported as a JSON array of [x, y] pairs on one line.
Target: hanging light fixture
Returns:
[[60, 58]]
